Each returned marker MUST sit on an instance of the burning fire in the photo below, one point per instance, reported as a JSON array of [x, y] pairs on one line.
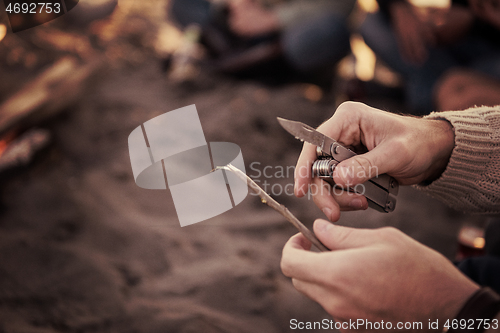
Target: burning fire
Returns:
[[365, 58]]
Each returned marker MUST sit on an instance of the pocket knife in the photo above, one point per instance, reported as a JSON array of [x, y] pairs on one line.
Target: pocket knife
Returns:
[[381, 191]]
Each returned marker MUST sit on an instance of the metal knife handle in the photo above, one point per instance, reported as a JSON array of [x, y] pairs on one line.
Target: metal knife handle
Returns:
[[380, 198], [340, 153]]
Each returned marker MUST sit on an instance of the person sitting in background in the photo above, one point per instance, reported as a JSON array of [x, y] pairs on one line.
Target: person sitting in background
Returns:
[[461, 88], [311, 35], [424, 49], [382, 274]]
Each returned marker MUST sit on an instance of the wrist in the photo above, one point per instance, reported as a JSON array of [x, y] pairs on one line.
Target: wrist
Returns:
[[440, 147]]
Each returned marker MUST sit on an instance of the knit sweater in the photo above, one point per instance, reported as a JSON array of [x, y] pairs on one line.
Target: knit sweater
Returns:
[[471, 181]]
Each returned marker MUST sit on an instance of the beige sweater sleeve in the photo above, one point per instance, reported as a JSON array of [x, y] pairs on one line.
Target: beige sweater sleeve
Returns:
[[471, 181]]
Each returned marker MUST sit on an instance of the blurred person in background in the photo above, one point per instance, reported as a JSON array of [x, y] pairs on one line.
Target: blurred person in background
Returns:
[[382, 274], [432, 52], [311, 35], [461, 88]]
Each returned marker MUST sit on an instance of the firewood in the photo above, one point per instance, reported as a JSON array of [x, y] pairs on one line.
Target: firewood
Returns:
[[49, 93]]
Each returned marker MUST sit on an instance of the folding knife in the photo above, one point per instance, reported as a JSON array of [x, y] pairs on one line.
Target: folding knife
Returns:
[[381, 191]]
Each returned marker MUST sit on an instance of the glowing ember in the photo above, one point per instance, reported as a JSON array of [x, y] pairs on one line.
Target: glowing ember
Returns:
[[3, 146], [5, 141]]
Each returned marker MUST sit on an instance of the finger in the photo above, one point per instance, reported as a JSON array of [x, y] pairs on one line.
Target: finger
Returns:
[[303, 169], [300, 242], [360, 168], [297, 262], [333, 200], [342, 238], [322, 197], [349, 201], [343, 126]]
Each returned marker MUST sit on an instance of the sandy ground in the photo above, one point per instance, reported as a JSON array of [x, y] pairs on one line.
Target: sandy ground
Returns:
[[83, 249]]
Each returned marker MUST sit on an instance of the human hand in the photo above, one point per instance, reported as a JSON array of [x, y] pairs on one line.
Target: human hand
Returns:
[[487, 10], [376, 275], [413, 35], [407, 148], [249, 19]]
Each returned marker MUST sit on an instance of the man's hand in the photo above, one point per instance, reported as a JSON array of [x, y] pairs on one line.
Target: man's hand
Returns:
[[376, 275], [407, 148], [414, 36], [249, 19]]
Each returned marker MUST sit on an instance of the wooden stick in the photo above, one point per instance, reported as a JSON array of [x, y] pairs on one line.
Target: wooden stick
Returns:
[[268, 200], [50, 92]]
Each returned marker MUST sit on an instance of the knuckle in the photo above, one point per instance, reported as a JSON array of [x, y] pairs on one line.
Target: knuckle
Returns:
[[388, 233], [363, 162], [363, 167], [349, 106]]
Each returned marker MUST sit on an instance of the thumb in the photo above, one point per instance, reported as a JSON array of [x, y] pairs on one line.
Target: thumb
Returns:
[[341, 238], [360, 168]]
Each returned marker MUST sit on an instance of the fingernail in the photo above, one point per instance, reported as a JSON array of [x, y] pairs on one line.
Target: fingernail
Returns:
[[328, 213], [356, 204]]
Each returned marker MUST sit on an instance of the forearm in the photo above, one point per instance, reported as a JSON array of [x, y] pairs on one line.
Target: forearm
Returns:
[[470, 180]]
